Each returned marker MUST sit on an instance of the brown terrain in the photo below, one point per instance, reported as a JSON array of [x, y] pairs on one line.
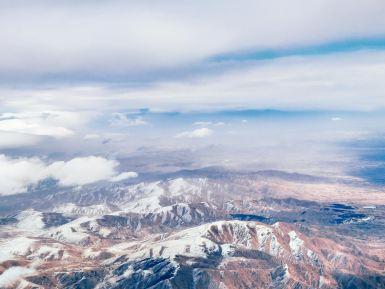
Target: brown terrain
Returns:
[[229, 232]]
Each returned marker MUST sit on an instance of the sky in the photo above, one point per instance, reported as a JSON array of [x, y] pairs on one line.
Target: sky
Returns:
[[266, 84]]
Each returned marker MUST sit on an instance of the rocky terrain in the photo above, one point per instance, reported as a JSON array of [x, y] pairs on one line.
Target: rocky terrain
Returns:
[[196, 229]]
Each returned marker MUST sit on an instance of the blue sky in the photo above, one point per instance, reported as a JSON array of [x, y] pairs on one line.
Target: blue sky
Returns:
[[345, 46]]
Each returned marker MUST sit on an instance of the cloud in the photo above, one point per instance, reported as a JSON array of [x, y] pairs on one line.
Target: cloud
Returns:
[[198, 133], [92, 136], [17, 174], [81, 171], [78, 39], [16, 140], [34, 127], [42, 123], [120, 119], [208, 123], [124, 176], [202, 123], [21, 128], [328, 82], [12, 275]]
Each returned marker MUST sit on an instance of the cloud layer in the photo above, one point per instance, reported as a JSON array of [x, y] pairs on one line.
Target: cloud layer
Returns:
[[348, 81], [72, 71], [352, 81], [197, 133], [17, 174], [102, 38]]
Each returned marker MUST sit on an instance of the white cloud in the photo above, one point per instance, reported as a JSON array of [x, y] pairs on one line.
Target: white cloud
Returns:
[[15, 140], [352, 81], [64, 105], [120, 119], [198, 133], [91, 136], [14, 274], [80, 171], [124, 176], [56, 124], [17, 174], [34, 127], [202, 123], [128, 36], [208, 123]]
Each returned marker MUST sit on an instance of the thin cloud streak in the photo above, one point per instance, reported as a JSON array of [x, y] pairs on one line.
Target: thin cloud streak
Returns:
[[197, 133]]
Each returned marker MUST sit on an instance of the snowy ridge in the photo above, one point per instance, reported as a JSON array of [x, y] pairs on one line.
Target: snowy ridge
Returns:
[[71, 209], [220, 236], [71, 232], [146, 197], [180, 186], [194, 231]]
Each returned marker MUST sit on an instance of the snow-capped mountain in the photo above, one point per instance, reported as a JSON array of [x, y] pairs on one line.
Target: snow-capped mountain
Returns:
[[192, 232]]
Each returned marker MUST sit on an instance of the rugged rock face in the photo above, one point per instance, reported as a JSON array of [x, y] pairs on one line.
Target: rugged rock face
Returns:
[[193, 233]]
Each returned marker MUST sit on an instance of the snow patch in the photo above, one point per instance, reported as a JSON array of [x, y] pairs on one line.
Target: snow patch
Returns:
[[295, 245], [14, 274], [30, 220], [47, 253], [20, 246], [180, 186], [147, 198], [71, 232]]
